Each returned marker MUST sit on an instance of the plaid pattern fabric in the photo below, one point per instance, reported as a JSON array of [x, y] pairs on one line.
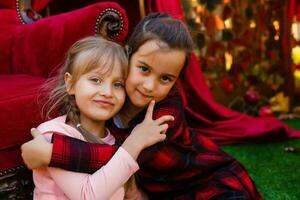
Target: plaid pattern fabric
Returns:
[[185, 166], [77, 156], [232, 195]]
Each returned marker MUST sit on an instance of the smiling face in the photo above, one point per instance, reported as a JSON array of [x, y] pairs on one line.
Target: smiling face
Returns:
[[99, 96], [152, 73]]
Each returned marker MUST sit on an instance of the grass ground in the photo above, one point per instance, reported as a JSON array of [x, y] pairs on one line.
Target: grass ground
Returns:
[[275, 171]]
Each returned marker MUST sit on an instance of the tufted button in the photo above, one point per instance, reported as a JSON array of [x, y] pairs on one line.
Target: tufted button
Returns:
[[109, 23], [24, 9]]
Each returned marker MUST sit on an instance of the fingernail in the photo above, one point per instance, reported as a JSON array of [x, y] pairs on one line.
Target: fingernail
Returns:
[[32, 129]]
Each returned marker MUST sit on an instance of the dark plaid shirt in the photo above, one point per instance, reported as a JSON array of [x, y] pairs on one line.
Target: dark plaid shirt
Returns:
[[185, 166]]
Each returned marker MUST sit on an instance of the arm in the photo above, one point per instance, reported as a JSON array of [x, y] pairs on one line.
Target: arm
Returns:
[[67, 152], [100, 185], [78, 160], [93, 152], [161, 159], [143, 135], [37, 153]]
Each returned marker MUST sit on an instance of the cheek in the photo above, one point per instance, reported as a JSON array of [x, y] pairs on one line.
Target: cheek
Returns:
[[80, 101], [162, 93], [130, 82], [120, 97]]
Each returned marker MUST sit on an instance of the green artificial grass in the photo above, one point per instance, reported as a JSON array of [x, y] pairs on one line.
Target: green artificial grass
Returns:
[[275, 171]]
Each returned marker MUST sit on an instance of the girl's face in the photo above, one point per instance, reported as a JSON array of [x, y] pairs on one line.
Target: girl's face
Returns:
[[98, 96], [152, 73]]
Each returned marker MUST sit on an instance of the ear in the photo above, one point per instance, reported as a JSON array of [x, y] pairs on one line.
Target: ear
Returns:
[[68, 83]]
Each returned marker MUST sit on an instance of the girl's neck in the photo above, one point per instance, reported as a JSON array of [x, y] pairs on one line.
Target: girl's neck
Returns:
[[96, 128], [128, 112]]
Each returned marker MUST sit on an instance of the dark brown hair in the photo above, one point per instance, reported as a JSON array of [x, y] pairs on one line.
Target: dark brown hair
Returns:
[[162, 27]]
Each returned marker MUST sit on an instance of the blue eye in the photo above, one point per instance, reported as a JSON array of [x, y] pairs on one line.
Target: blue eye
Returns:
[[96, 80], [119, 85]]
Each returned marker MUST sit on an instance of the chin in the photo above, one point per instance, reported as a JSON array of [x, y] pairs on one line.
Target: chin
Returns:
[[140, 104], [103, 116]]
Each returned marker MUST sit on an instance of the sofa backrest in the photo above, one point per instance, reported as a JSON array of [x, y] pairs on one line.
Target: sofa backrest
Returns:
[[39, 48]]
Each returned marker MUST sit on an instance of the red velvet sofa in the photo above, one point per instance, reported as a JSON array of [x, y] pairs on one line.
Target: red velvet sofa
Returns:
[[31, 50]]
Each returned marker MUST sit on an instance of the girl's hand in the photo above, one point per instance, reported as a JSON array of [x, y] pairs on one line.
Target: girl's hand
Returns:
[[36, 152], [147, 133]]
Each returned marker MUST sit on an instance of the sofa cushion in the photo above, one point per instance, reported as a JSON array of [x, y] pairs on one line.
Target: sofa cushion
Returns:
[[19, 113]]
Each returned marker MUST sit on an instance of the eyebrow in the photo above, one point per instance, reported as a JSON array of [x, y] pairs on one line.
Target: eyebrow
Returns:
[[166, 74], [98, 74]]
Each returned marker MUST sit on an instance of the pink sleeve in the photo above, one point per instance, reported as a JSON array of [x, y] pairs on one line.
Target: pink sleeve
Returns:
[[100, 185]]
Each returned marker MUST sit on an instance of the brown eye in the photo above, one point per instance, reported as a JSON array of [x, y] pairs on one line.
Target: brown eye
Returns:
[[165, 79], [144, 69]]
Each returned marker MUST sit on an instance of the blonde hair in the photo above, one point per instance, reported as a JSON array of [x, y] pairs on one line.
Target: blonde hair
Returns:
[[84, 55]]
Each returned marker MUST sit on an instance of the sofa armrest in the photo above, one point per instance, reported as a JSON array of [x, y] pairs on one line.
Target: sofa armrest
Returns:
[[39, 48], [26, 13]]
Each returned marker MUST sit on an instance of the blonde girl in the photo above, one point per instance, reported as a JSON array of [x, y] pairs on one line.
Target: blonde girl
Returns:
[[88, 91]]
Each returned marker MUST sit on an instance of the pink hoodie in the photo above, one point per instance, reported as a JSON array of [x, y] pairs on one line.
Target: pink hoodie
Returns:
[[106, 183]]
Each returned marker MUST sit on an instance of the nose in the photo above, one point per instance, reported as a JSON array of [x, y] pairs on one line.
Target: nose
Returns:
[[149, 84], [105, 90]]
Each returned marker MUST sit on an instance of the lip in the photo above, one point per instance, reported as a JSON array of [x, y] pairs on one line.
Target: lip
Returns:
[[143, 95], [104, 103]]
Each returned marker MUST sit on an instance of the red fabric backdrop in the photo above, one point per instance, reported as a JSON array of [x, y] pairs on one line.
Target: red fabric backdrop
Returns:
[[294, 9], [204, 114]]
